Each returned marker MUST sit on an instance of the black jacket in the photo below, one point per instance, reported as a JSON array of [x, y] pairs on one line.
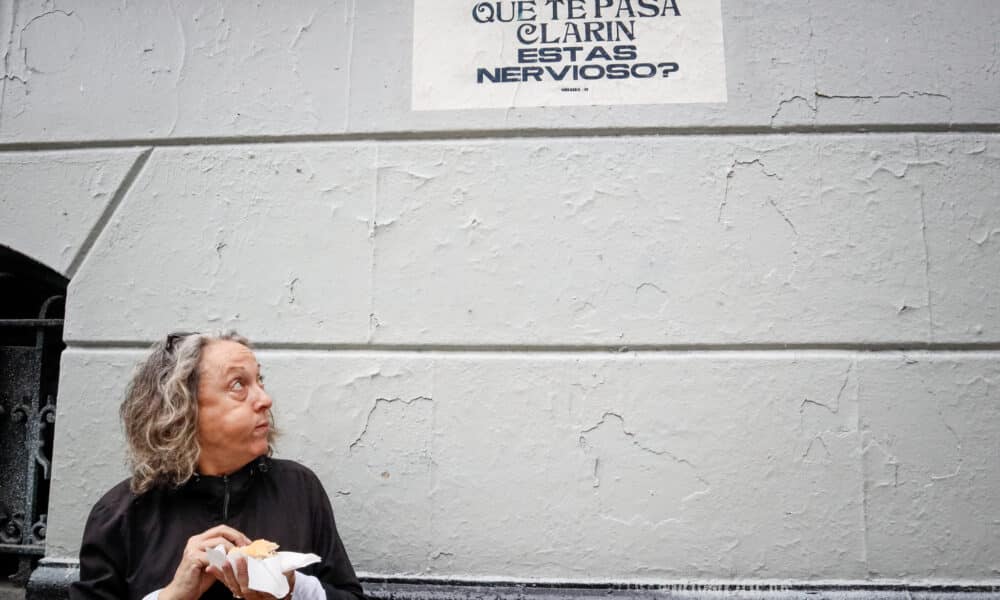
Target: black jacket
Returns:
[[133, 544]]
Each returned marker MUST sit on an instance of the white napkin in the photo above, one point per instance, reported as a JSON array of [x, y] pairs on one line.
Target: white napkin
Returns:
[[267, 574]]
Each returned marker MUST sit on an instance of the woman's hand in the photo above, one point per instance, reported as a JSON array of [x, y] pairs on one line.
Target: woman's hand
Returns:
[[194, 575], [238, 581]]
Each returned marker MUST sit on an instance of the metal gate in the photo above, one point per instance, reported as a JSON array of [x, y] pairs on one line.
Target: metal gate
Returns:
[[31, 321]]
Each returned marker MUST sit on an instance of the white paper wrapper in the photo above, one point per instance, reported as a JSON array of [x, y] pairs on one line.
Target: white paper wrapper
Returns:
[[265, 575]]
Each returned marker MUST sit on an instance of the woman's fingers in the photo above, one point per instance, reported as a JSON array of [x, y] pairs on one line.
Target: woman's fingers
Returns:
[[236, 538], [212, 542], [228, 577], [220, 535], [236, 577], [242, 578], [191, 578]]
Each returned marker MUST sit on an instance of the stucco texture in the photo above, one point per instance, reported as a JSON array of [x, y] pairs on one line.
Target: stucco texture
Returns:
[[746, 341]]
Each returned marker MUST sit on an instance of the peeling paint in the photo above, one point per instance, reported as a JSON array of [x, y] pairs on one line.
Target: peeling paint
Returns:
[[382, 401], [52, 57], [878, 98], [368, 375], [958, 451], [563, 245], [8, 43], [731, 172], [373, 246], [782, 214], [815, 444], [814, 101], [840, 394], [304, 29], [796, 98], [634, 442], [927, 266]]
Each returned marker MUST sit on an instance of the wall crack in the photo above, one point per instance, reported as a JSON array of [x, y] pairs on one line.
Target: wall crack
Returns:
[[958, 450], [877, 98], [378, 401], [731, 172], [927, 254], [636, 443]]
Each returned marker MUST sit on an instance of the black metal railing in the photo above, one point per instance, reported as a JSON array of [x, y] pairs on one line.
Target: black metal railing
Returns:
[[30, 345]]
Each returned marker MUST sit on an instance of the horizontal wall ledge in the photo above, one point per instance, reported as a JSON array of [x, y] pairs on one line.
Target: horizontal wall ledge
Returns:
[[51, 580], [511, 133], [514, 349]]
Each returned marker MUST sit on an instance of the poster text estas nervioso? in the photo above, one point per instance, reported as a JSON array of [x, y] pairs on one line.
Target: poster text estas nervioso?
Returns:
[[548, 33]]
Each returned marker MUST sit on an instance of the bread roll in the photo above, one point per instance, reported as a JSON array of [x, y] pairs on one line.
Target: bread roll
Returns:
[[259, 549]]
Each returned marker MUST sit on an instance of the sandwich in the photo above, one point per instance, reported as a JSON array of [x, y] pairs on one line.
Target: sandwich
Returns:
[[258, 549]]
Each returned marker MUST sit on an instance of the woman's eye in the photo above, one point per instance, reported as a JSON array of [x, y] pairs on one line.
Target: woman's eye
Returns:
[[236, 386], [260, 380]]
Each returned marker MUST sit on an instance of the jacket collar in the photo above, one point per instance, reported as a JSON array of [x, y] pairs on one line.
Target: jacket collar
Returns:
[[226, 493]]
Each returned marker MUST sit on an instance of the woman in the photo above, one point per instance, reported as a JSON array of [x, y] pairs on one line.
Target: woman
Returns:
[[199, 429]]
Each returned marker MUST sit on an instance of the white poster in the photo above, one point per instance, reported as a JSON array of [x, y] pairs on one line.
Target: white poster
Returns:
[[515, 53]]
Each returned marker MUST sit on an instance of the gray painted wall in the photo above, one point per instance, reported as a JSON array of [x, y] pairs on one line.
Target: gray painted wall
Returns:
[[744, 341]]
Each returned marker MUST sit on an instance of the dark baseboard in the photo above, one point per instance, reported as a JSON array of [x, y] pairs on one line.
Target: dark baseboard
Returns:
[[50, 581]]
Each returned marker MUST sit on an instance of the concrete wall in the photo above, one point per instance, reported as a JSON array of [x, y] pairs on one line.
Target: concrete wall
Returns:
[[743, 341]]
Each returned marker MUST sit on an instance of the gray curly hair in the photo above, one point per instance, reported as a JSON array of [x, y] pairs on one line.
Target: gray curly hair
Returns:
[[160, 411]]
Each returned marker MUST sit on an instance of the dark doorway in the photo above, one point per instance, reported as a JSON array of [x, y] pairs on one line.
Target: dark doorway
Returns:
[[32, 306]]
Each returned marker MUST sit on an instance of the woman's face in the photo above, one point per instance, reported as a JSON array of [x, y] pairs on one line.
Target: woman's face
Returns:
[[233, 408]]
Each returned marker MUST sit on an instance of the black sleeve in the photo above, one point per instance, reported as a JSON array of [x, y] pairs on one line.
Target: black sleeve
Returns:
[[102, 557], [334, 571]]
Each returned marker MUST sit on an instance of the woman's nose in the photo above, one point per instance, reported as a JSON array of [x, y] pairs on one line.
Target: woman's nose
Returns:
[[264, 401]]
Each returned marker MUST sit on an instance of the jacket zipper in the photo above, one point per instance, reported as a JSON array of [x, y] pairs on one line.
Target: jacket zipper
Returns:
[[225, 499]]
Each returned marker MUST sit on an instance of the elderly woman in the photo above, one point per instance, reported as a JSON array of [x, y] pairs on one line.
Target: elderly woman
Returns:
[[199, 429]]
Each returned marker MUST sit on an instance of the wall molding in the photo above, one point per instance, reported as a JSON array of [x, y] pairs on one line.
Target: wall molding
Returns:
[[915, 348], [434, 135]]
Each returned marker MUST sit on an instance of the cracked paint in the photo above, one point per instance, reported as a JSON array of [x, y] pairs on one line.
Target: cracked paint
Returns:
[[191, 43], [593, 437], [888, 459], [796, 98], [958, 452], [8, 50], [650, 298], [702, 463], [814, 102], [927, 252], [835, 408], [784, 217], [303, 29], [358, 441], [927, 265], [179, 69], [927, 445], [49, 41], [878, 98], [291, 289], [731, 173], [365, 376], [815, 444], [181, 63], [373, 245]]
